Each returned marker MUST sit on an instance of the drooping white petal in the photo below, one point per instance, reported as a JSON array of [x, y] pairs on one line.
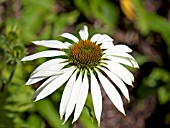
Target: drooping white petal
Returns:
[[44, 74], [118, 59], [96, 97], [84, 33], [66, 94], [56, 67], [49, 53], [118, 82], [118, 72], [73, 98], [51, 44], [104, 39], [43, 86], [70, 36], [95, 37], [34, 80], [118, 49], [107, 45], [124, 55], [49, 71], [40, 70], [81, 97], [111, 92], [48, 63], [121, 68], [55, 84]]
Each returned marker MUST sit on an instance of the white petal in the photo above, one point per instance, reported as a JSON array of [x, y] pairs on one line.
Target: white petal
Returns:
[[111, 92], [66, 94], [43, 86], [68, 44], [122, 60], [118, 82], [51, 44], [45, 70], [96, 97], [103, 39], [121, 68], [84, 33], [34, 80], [107, 45], [119, 72], [49, 71], [95, 37], [48, 63], [118, 49], [73, 98], [49, 53], [84, 87], [125, 55], [70, 36], [55, 84]]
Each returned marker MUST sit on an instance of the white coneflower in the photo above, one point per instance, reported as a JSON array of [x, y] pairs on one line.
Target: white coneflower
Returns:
[[80, 66]]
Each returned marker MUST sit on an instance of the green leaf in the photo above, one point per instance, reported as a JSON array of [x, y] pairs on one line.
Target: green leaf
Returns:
[[163, 95], [64, 20], [157, 82], [34, 14], [141, 17], [5, 122], [49, 113], [83, 6], [35, 121], [87, 117], [149, 21], [161, 25], [105, 11]]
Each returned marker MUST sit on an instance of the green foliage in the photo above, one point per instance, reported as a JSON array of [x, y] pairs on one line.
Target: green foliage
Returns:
[[157, 82], [149, 21], [48, 112], [34, 121], [87, 117], [104, 11]]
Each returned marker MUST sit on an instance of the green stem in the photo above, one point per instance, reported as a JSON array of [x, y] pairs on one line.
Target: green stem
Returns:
[[11, 75], [3, 63], [1, 71]]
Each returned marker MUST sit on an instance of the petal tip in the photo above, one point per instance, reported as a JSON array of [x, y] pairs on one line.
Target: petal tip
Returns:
[[123, 112], [69, 36], [84, 33], [36, 98], [132, 86], [136, 65], [63, 123], [61, 117], [34, 42], [27, 84], [72, 121], [23, 59], [128, 100]]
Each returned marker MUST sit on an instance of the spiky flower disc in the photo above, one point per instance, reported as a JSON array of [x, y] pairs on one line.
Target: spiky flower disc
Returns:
[[85, 54]]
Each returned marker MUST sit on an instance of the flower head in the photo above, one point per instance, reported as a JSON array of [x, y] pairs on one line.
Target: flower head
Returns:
[[85, 64]]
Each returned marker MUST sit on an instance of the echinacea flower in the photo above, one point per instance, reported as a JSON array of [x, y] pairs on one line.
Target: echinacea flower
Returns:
[[83, 64]]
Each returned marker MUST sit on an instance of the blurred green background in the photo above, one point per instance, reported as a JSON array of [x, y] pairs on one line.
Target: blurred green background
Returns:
[[143, 25]]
